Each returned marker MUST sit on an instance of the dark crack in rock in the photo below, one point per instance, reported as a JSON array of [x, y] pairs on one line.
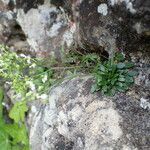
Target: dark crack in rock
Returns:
[[26, 5]]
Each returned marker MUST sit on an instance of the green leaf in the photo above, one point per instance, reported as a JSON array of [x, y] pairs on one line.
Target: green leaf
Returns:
[[129, 79], [125, 86], [94, 88], [119, 57], [111, 92], [1, 106], [121, 79], [1, 94], [120, 89], [129, 65], [17, 113], [120, 84], [132, 73], [102, 68], [114, 67], [4, 141], [120, 65], [105, 88], [113, 81], [16, 147], [99, 79], [18, 133]]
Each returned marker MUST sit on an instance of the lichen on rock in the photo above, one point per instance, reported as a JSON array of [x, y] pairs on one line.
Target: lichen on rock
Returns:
[[76, 119]]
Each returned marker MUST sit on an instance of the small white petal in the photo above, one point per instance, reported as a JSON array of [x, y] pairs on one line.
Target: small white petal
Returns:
[[28, 61], [33, 66], [45, 78], [22, 55], [33, 109], [43, 96]]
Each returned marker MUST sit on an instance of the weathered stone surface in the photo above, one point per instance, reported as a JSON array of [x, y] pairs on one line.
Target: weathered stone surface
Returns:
[[134, 23], [43, 26], [94, 26], [6, 22], [46, 29], [93, 21], [26, 5], [11, 33], [76, 119], [112, 25]]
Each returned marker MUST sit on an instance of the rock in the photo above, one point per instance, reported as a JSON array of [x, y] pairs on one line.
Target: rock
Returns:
[[46, 28], [28, 4], [6, 22], [134, 23], [142, 63], [103, 27], [107, 26], [11, 33], [144, 103], [2, 6], [93, 19], [76, 119], [48, 34]]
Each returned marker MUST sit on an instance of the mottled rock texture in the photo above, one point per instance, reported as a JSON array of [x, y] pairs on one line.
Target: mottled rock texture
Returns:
[[26, 5], [47, 28], [11, 32], [75, 119], [111, 25], [90, 26]]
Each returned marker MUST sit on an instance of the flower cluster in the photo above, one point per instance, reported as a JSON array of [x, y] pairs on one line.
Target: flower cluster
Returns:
[[26, 75]]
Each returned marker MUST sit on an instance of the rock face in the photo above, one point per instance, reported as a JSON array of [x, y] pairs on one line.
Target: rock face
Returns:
[[26, 5], [46, 28], [111, 25], [91, 26], [75, 119], [11, 33]]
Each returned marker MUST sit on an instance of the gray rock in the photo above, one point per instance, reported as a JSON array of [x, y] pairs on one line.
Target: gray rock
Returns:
[[144, 103], [26, 5], [6, 23], [107, 26], [46, 28], [96, 26], [11, 33], [76, 119]]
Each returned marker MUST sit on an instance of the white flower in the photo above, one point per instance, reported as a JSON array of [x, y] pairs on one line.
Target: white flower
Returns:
[[44, 79], [16, 56], [9, 83], [32, 85], [29, 60], [22, 55], [33, 65], [1, 63], [33, 109], [27, 57], [29, 94], [40, 88], [37, 95], [5, 105], [43, 96]]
